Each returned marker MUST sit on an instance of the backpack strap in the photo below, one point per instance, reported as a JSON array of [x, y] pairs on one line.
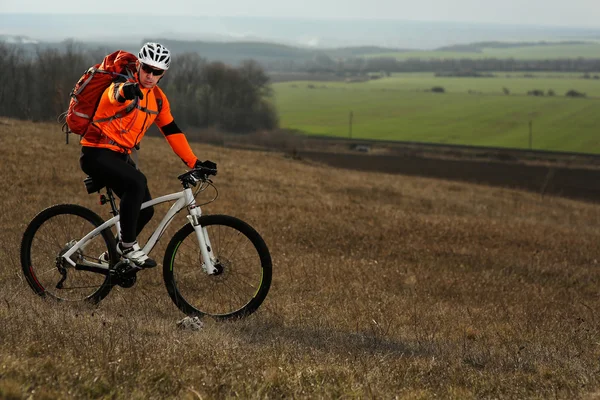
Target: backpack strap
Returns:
[[134, 104], [117, 77], [93, 71], [122, 113]]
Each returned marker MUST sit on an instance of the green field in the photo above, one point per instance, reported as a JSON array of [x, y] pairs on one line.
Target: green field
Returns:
[[585, 50], [473, 111]]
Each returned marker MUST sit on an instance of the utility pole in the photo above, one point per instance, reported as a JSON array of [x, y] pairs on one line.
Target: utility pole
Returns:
[[530, 134], [350, 125]]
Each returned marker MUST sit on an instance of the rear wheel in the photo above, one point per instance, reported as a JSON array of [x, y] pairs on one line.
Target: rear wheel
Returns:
[[51, 234], [243, 273]]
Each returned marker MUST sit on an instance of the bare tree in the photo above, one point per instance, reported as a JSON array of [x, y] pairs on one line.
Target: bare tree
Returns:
[[36, 87]]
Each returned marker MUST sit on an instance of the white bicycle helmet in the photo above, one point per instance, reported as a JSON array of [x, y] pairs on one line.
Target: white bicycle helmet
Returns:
[[155, 55]]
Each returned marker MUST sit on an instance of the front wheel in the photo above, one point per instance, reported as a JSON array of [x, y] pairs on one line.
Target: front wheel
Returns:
[[243, 265]]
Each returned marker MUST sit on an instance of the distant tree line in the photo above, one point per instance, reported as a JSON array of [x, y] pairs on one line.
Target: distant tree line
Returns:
[[479, 47], [202, 94], [465, 74], [322, 63]]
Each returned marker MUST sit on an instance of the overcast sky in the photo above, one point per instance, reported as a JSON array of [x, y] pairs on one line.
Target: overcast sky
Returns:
[[576, 13]]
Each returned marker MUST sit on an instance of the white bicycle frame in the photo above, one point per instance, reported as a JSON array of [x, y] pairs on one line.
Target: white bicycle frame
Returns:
[[182, 199]]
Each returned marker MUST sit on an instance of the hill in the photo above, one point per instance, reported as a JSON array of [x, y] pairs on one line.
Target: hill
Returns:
[[519, 50], [263, 52], [480, 46], [384, 285], [267, 52], [236, 51]]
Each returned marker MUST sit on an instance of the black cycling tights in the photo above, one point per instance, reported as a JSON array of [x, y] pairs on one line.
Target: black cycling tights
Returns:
[[118, 171]]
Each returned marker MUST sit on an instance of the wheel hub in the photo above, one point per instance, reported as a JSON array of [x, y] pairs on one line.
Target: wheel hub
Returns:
[[219, 269], [75, 257]]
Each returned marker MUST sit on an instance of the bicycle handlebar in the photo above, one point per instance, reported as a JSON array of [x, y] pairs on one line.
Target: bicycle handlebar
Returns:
[[196, 174]]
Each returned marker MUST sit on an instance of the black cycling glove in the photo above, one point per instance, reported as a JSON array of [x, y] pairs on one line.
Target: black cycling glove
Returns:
[[131, 91], [206, 164]]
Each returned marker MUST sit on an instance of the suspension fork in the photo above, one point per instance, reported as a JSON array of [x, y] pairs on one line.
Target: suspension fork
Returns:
[[208, 257]]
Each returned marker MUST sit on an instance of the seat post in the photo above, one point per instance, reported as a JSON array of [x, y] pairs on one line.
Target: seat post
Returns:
[[113, 204]]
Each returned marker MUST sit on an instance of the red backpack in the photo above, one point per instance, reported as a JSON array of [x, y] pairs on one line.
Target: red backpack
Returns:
[[86, 94]]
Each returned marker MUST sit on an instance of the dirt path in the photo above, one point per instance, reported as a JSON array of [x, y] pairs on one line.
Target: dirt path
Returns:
[[552, 179]]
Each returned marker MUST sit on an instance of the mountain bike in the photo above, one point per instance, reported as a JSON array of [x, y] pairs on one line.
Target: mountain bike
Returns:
[[215, 265]]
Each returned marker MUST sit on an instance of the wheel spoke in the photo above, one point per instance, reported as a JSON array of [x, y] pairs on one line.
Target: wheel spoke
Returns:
[[51, 233], [243, 277]]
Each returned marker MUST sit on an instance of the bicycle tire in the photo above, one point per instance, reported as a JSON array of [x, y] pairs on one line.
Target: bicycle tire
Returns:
[[236, 292], [51, 232]]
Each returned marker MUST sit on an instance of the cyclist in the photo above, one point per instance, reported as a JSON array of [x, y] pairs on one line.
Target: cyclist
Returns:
[[108, 142]]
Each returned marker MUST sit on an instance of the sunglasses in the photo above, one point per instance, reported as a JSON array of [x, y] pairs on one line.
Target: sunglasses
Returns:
[[154, 71]]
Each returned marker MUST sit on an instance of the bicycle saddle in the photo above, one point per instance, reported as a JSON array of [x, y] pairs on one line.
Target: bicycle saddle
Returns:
[[92, 185]]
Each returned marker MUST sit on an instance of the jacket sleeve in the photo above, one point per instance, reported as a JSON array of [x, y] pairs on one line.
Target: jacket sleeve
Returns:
[[179, 143], [172, 133]]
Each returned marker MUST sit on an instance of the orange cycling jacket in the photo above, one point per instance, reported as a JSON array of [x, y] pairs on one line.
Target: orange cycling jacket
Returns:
[[116, 128]]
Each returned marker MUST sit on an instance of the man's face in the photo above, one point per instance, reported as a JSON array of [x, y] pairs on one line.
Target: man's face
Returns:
[[149, 76]]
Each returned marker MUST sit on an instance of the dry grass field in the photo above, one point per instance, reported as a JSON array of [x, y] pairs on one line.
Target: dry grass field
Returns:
[[384, 286]]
